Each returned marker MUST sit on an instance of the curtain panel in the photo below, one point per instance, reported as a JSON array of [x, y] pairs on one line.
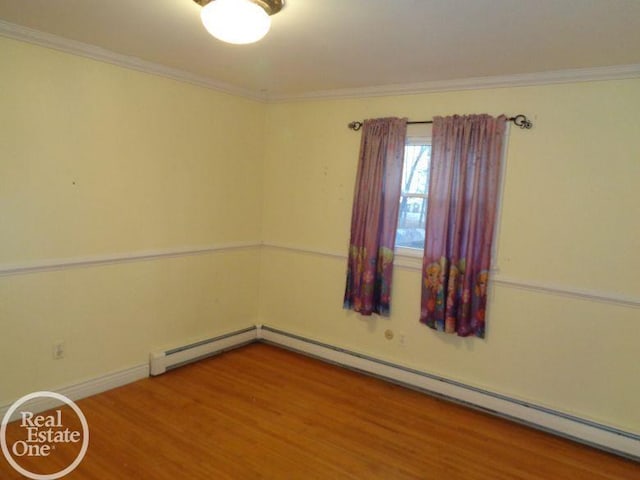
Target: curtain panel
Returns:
[[374, 216], [463, 192]]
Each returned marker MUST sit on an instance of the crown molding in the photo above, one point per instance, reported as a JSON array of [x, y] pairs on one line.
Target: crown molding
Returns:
[[47, 40], [616, 72], [55, 42]]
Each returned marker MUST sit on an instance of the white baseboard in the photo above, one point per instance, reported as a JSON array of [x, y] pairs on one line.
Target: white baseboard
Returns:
[[622, 443], [165, 360], [84, 389], [160, 362]]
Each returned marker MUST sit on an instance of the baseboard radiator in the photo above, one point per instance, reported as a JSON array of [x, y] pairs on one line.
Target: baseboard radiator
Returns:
[[623, 443], [619, 442], [162, 361]]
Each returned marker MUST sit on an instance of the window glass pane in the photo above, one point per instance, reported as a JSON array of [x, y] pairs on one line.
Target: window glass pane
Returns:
[[411, 220], [415, 171], [413, 202]]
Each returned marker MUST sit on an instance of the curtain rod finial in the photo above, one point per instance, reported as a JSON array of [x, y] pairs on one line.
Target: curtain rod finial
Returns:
[[355, 126], [522, 121]]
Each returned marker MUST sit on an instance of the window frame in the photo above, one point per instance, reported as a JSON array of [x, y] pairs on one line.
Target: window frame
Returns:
[[411, 258], [416, 135]]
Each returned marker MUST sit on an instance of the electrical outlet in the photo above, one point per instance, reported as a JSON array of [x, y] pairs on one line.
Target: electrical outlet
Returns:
[[388, 334], [58, 350], [402, 339]]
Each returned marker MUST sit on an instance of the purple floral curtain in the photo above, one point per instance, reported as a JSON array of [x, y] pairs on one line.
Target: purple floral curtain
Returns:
[[463, 192], [374, 216]]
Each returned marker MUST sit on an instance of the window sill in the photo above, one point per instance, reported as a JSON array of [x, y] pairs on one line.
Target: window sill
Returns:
[[410, 258]]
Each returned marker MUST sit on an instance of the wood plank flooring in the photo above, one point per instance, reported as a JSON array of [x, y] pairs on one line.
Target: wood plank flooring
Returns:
[[263, 412]]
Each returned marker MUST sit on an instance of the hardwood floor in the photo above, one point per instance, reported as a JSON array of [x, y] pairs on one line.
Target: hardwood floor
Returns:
[[264, 412]]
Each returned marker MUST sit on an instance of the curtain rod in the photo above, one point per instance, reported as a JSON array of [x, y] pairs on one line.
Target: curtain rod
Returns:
[[519, 120]]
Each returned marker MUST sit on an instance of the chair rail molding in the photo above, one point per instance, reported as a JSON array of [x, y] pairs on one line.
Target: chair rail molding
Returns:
[[412, 262], [46, 265]]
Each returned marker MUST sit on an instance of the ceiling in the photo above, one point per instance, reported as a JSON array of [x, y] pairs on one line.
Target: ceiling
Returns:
[[334, 45]]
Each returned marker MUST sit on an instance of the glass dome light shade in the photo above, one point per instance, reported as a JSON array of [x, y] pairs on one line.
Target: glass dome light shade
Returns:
[[235, 21]]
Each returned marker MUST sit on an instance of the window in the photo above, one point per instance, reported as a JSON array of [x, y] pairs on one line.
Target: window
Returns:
[[415, 195]]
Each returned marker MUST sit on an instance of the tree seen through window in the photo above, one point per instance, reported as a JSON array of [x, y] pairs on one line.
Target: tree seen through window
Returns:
[[414, 198]]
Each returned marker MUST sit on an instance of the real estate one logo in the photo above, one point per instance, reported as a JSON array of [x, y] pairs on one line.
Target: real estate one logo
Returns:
[[31, 443]]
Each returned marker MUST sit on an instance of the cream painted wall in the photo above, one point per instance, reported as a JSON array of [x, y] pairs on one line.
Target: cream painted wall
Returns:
[[569, 221], [97, 160], [111, 317]]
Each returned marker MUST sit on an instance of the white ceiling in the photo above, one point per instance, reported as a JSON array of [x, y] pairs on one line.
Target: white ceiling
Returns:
[[323, 45]]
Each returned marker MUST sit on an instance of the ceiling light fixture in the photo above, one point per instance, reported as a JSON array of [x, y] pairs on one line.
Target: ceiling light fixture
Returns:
[[238, 21]]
